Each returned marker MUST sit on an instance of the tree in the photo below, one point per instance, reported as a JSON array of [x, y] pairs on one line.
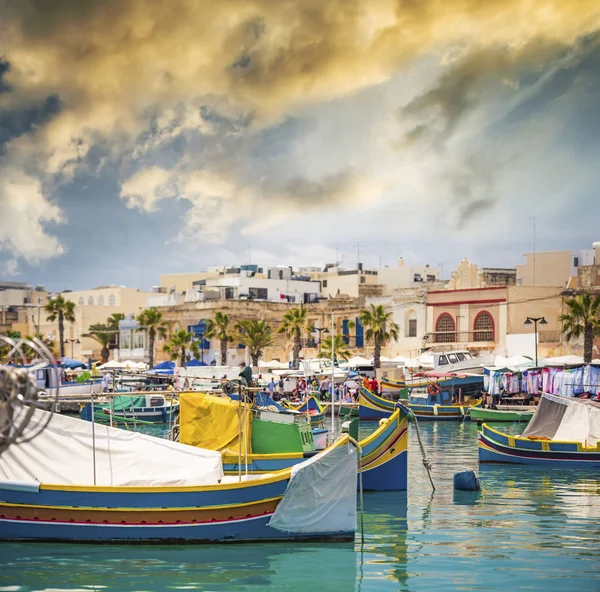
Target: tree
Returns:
[[220, 329], [113, 322], [62, 310], [151, 320], [294, 324], [341, 351], [255, 335], [180, 344], [582, 319], [104, 335], [380, 329]]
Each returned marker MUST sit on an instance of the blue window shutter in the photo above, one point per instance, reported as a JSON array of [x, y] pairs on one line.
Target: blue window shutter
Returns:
[[360, 334], [345, 331]]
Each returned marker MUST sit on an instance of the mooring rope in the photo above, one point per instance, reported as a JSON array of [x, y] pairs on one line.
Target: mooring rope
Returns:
[[424, 459]]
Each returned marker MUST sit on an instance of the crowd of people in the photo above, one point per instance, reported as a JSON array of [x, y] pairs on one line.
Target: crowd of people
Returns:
[[300, 388]]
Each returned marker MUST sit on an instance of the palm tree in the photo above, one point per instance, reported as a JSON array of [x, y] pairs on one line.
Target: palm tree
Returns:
[[341, 351], [255, 335], [220, 329], [582, 318], [151, 320], [63, 310], [294, 324], [380, 329], [180, 344], [113, 322], [104, 335]]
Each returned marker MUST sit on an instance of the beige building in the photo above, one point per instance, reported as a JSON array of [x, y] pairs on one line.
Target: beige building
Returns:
[[468, 276], [552, 268], [93, 306], [193, 315], [20, 305]]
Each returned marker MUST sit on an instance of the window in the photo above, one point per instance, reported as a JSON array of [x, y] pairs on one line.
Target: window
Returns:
[[461, 357], [412, 327], [111, 300], [575, 261], [452, 358], [81, 301], [468, 356], [100, 300], [91, 301], [157, 402], [324, 283], [417, 277], [228, 293], [443, 361], [483, 327], [445, 329], [363, 280], [258, 293], [431, 278]]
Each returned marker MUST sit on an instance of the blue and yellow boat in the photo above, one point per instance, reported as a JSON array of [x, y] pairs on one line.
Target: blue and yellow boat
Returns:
[[313, 409], [563, 433], [136, 488], [384, 452], [436, 406]]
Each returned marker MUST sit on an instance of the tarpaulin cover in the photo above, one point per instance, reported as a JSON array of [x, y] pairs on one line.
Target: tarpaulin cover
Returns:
[[126, 402], [566, 419], [321, 495], [213, 423], [63, 454]]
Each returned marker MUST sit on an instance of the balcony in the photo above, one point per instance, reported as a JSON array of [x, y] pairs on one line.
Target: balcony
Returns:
[[483, 339]]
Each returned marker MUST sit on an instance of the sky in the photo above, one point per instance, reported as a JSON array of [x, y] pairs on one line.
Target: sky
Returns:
[[140, 137]]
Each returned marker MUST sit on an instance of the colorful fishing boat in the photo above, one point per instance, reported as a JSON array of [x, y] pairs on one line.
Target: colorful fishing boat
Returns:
[[348, 410], [563, 432], [151, 407], [81, 482], [435, 405], [384, 452], [492, 415], [394, 387], [313, 409]]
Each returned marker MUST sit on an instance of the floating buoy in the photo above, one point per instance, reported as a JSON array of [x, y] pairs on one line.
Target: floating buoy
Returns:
[[466, 481]]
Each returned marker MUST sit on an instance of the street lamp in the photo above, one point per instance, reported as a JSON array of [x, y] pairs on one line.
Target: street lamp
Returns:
[[535, 321], [320, 330], [72, 342]]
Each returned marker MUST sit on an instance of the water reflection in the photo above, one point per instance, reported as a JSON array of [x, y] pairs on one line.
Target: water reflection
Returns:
[[530, 528]]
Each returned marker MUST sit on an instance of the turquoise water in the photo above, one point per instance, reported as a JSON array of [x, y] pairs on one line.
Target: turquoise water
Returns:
[[530, 530]]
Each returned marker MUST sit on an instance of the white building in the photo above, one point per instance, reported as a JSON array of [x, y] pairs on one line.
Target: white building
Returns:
[[280, 285], [406, 276]]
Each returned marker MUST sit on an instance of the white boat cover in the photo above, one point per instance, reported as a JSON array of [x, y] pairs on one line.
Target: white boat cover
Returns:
[[566, 419], [63, 454], [321, 495]]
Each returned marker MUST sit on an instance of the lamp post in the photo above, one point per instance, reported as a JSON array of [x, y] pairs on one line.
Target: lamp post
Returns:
[[535, 321], [72, 342], [320, 330]]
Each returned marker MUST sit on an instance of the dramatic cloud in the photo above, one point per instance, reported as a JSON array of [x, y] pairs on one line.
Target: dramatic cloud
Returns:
[[248, 113]]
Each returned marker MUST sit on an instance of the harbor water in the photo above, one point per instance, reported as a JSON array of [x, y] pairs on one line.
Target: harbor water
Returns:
[[530, 529]]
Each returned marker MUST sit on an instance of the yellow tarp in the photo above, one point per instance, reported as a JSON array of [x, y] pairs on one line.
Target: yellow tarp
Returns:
[[213, 423]]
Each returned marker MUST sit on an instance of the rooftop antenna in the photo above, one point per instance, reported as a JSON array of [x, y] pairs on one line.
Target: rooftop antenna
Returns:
[[357, 255], [533, 231]]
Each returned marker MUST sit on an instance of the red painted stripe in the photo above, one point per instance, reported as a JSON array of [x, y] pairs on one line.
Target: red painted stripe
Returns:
[[130, 524], [388, 448]]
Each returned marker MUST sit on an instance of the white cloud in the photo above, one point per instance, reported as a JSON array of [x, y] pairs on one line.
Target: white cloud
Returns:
[[25, 212], [146, 188]]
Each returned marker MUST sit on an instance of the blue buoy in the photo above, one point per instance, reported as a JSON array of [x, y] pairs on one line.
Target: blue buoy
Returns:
[[466, 481]]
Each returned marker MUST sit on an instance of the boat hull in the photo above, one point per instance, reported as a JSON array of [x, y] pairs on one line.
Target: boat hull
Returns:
[[373, 407], [497, 447]]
